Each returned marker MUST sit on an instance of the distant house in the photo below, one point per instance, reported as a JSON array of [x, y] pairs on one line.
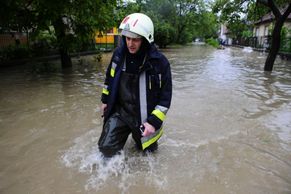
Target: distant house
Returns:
[[263, 28], [108, 39], [224, 35]]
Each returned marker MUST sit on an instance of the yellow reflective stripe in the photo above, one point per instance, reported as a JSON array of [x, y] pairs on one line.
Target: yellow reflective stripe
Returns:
[[152, 140], [112, 72], [159, 114], [105, 91]]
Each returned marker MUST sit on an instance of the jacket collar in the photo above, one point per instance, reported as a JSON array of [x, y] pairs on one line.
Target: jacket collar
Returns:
[[152, 53]]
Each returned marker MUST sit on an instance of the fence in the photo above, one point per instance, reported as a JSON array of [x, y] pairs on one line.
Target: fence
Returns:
[[264, 43], [14, 38]]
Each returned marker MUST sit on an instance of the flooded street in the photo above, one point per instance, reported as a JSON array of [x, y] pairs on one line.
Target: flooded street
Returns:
[[228, 129]]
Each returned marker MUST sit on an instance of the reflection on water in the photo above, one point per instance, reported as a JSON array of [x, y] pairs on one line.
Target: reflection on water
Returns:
[[228, 130]]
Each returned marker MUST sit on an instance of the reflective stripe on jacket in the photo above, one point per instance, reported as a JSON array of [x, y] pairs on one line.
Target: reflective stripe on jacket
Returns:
[[155, 88]]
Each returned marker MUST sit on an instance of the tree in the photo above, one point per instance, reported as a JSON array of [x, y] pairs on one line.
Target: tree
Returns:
[[162, 13], [16, 16], [126, 8], [164, 34], [251, 8], [74, 22], [175, 21], [276, 35], [233, 13], [204, 25]]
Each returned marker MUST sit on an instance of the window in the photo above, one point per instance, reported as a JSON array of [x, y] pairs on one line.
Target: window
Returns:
[[257, 31]]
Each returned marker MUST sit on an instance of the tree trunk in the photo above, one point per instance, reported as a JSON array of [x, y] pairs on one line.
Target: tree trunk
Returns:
[[60, 29], [65, 58], [275, 45], [276, 36]]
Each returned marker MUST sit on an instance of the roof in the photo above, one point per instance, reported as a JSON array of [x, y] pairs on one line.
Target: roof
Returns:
[[269, 17]]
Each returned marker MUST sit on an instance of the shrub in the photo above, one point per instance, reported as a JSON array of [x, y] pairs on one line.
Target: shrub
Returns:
[[164, 34], [15, 52], [213, 42]]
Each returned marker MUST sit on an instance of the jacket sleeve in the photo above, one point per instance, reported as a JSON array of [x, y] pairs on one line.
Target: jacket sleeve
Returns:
[[158, 115], [105, 89]]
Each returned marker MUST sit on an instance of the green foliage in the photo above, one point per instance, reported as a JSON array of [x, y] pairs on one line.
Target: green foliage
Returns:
[[247, 34], [212, 42], [126, 9], [16, 15], [74, 23], [205, 25], [15, 52], [237, 28], [43, 42], [233, 14], [176, 21], [236, 13], [285, 40], [185, 37], [256, 11], [71, 25], [164, 34], [229, 11]]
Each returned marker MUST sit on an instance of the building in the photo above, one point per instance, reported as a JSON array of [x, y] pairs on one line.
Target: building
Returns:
[[263, 29], [107, 40], [224, 35]]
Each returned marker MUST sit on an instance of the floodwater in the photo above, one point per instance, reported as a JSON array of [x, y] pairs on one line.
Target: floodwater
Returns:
[[228, 130]]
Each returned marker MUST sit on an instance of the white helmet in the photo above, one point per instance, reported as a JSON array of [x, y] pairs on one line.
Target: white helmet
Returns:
[[136, 25]]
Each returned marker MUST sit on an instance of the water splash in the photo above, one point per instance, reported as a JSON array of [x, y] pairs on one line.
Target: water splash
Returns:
[[125, 170], [248, 49], [102, 171]]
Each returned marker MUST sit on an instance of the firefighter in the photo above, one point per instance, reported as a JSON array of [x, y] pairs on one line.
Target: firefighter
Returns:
[[137, 89]]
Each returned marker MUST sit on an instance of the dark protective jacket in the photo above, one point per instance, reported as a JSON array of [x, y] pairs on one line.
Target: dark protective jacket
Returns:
[[155, 86]]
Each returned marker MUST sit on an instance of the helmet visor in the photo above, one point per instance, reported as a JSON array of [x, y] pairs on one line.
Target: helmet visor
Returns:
[[130, 34]]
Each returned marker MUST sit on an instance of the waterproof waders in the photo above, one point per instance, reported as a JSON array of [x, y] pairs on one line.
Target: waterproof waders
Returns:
[[124, 120]]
